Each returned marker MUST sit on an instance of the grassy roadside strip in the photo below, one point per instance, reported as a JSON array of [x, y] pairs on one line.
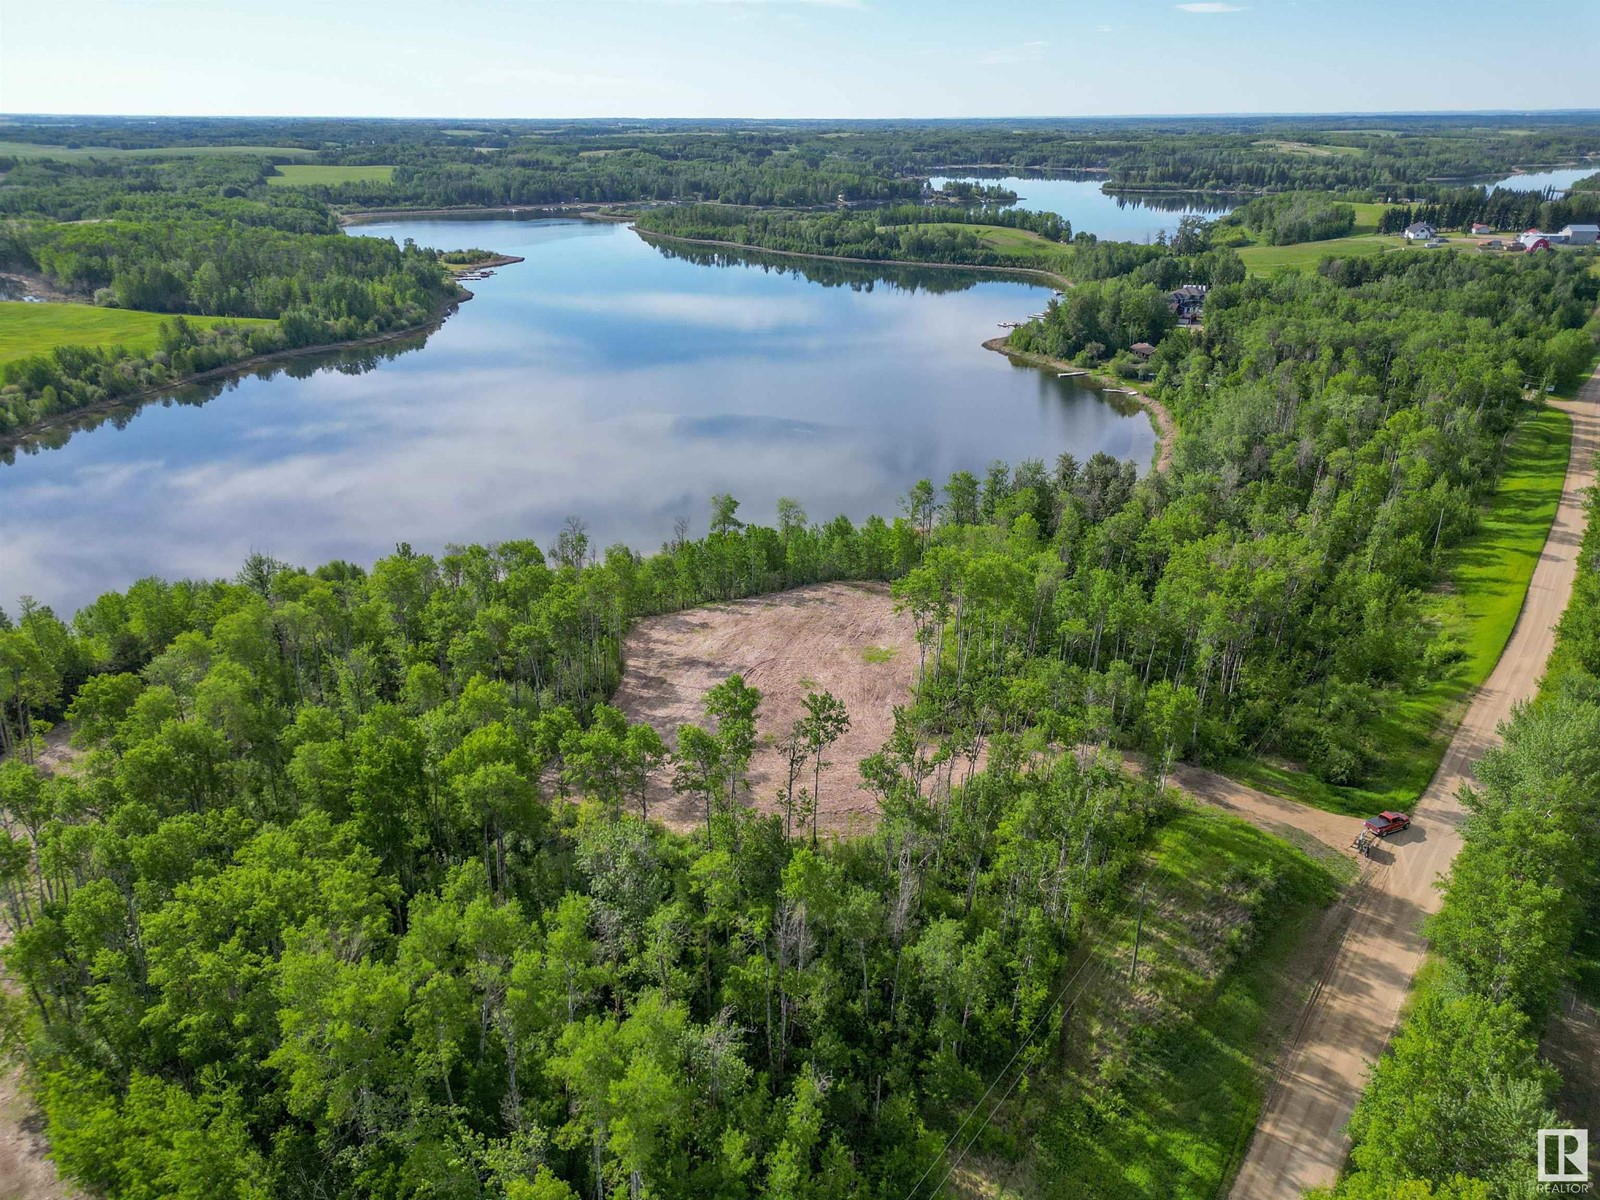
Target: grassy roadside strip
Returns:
[[1488, 579], [1168, 1073]]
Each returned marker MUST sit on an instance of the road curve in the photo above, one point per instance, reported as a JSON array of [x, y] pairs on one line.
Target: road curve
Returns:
[[1300, 1141]]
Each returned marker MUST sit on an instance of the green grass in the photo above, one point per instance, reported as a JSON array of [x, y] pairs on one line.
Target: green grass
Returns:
[[1488, 576], [27, 329], [1191, 1084], [1367, 216], [879, 654], [31, 150], [1263, 260], [308, 175]]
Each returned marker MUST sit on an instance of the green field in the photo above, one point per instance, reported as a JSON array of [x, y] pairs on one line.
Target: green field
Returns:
[[309, 175], [31, 150], [27, 329], [1190, 1083], [1488, 576], [1263, 260], [1367, 216]]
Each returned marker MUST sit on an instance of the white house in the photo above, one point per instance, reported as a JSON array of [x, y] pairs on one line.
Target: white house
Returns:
[[1580, 235], [1420, 231]]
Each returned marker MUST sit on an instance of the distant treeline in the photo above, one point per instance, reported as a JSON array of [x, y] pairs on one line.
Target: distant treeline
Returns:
[[444, 164], [907, 232]]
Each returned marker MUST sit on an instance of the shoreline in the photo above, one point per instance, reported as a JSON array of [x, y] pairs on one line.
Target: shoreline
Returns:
[[15, 439], [1060, 281], [1160, 416], [374, 216], [488, 264]]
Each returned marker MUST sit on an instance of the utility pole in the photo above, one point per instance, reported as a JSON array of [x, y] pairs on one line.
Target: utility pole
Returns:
[[1138, 929]]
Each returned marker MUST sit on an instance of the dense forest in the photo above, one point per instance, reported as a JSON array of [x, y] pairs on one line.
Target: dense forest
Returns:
[[352, 890]]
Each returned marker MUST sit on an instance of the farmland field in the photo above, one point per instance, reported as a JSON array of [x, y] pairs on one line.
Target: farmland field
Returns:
[[27, 329], [1263, 260], [311, 175]]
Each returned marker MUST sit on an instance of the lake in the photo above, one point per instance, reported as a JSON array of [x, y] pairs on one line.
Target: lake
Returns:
[[1536, 181], [602, 378], [1109, 218]]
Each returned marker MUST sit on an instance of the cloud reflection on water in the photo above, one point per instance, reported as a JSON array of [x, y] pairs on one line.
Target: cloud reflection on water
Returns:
[[544, 398]]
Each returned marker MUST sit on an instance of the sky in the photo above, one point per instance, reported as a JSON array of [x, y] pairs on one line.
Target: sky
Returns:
[[793, 58]]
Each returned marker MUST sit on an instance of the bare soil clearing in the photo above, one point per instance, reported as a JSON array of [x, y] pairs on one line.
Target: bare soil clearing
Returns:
[[844, 638], [1300, 1142], [25, 1172], [1572, 1042]]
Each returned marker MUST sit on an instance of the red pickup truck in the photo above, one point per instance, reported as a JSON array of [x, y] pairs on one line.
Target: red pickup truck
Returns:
[[1386, 823]]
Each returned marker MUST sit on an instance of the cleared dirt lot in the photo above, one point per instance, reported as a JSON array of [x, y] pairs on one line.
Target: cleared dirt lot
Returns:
[[840, 637]]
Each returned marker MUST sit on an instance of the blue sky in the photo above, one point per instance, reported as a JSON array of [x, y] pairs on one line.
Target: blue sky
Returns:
[[793, 58]]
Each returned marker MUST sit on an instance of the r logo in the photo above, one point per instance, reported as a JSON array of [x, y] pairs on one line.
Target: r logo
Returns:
[[1563, 1156]]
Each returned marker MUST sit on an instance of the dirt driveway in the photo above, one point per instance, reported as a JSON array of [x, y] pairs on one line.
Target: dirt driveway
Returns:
[[1300, 1141]]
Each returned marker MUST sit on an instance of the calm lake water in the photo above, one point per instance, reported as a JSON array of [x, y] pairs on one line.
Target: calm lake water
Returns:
[[1536, 181], [1109, 218], [602, 378]]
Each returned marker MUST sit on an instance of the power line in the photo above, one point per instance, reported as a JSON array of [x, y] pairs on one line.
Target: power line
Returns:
[[1105, 972], [1023, 1045]]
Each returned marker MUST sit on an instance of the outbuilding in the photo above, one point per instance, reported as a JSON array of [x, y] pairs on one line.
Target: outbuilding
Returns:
[[1581, 235]]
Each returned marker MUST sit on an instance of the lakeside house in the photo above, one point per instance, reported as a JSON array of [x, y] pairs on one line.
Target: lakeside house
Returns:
[[1188, 300], [1580, 235], [1419, 231], [1142, 349]]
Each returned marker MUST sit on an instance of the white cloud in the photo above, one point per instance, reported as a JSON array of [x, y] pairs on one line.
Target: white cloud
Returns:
[[1103, 29], [1212, 8]]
